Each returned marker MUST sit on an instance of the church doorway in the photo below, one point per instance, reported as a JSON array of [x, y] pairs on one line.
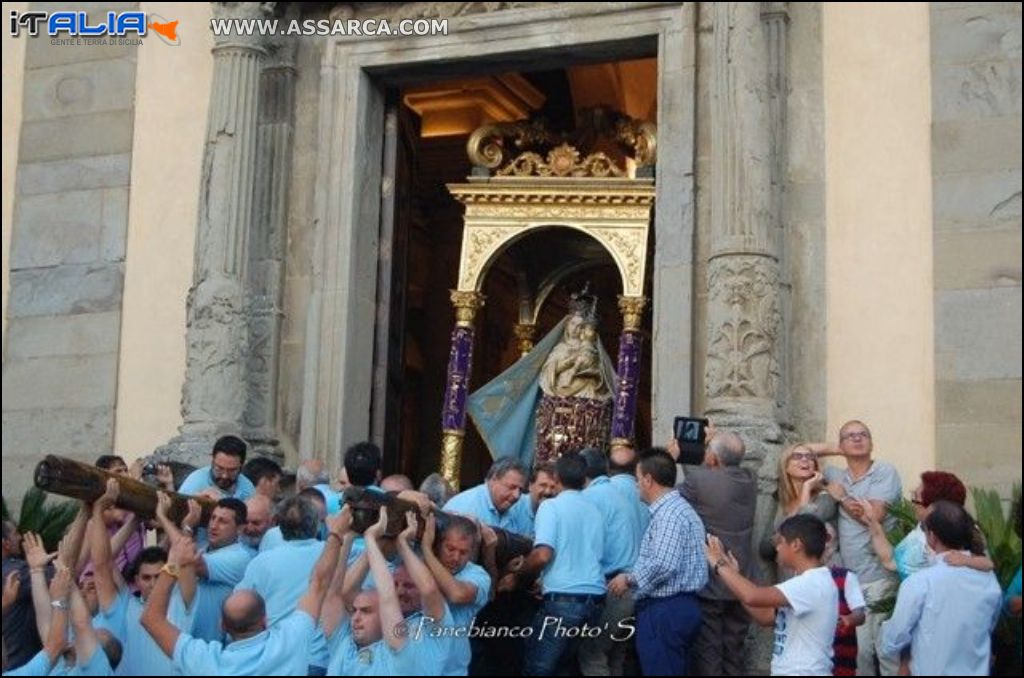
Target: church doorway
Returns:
[[427, 125]]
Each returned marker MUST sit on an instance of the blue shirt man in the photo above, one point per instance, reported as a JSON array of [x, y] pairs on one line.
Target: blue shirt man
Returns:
[[618, 519], [280, 650], [567, 549], [281, 574], [225, 568], [499, 501], [224, 474], [945, 614]]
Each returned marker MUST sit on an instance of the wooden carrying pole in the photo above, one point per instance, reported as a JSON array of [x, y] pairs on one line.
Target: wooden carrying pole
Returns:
[[366, 503], [70, 478]]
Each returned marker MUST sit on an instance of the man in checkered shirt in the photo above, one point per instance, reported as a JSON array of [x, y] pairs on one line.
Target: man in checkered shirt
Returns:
[[668, 572]]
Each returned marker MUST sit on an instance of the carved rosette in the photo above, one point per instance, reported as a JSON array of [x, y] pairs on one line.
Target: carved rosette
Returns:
[[743, 327]]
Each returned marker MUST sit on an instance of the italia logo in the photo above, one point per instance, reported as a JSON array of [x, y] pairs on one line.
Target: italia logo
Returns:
[[80, 24]]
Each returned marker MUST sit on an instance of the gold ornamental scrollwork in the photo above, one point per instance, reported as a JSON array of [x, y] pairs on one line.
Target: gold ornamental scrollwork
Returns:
[[451, 456], [562, 161], [466, 304], [632, 309], [529, 148]]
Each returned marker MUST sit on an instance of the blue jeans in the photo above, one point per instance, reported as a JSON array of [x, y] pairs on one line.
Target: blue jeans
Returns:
[[665, 631], [557, 626]]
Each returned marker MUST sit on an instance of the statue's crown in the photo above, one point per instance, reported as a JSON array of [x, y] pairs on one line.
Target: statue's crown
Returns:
[[584, 304]]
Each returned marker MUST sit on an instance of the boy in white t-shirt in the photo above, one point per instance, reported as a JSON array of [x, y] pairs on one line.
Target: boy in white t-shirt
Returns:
[[804, 609]]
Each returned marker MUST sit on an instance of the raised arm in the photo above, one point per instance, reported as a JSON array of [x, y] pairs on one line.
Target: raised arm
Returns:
[[154, 618], [75, 536], [340, 529], [12, 585], [391, 618], [38, 559], [335, 608], [86, 640], [99, 541], [455, 591], [879, 541], [353, 579], [60, 591], [760, 601], [430, 594]]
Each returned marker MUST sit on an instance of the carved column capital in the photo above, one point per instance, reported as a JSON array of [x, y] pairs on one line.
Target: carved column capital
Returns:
[[242, 11], [632, 309], [525, 334], [466, 304]]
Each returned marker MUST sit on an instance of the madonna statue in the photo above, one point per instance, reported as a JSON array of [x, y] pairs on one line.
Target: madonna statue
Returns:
[[558, 397]]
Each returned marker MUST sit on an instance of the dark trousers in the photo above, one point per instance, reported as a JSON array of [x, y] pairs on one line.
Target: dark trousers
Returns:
[[557, 633], [665, 631], [502, 655], [718, 650]]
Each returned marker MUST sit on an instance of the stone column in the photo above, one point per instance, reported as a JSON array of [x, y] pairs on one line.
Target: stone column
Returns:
[[743, 316], [214, 394], [267, 246], [743, 276], [631, 344], [460, 366]]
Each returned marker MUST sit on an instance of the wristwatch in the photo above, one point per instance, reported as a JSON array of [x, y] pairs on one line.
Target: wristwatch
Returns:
[[59, 604], [172, 569]]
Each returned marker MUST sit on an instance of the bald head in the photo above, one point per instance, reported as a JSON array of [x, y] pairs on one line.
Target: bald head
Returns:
[[244, 614], [396, 483], [728, 448], [259, 517], [622, 459]]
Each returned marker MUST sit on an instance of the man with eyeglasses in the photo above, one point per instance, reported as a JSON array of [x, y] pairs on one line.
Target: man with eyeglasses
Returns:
[[223, 477], [877, 482]]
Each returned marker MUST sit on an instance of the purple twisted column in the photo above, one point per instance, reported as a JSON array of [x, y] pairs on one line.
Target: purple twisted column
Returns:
[[456, 390], [631, 345]]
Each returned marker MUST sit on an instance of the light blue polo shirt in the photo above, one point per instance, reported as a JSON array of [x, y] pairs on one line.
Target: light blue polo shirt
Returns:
[[202, 478], [376, 659], [272, 538], [476, 501], [225, 567], [572, 527], [281, 650], [429, 646], [141, 656], [621, 538], [626, 484], [331, 498], [281, 576], [460, 653], [96, 665], [424, 654], [39, 665]]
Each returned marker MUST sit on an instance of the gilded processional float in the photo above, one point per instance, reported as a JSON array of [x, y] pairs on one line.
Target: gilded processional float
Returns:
[[564, 392]]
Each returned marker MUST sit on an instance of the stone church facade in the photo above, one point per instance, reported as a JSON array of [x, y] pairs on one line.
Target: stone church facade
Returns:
[[193, 237]]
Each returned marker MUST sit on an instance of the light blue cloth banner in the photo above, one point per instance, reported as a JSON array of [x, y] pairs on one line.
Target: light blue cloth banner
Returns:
[[504, 410]]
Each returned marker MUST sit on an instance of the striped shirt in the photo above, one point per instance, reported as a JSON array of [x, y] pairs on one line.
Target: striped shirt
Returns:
[[671, 556]]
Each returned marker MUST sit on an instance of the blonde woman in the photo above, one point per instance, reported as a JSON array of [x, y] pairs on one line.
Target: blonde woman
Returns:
[[802, 489]]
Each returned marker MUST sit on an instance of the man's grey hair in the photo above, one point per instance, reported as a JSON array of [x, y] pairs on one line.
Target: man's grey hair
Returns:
[[437, 488], [310, 474], [728, 447], [503, 465], [298, 518]]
